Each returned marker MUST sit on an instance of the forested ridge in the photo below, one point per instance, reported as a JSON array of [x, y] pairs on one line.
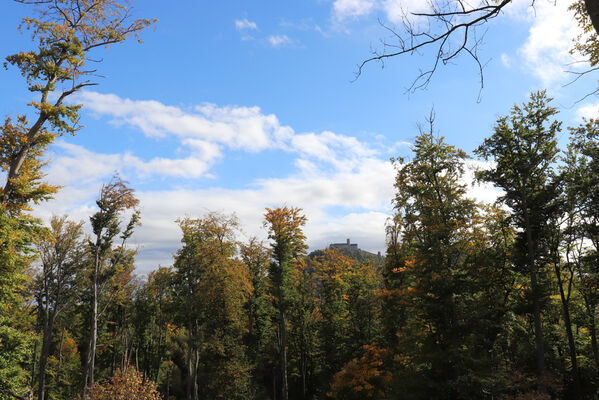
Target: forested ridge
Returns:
[[472, 300]]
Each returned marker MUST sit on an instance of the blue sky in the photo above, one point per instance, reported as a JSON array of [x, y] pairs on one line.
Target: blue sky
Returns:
[[236, 106]]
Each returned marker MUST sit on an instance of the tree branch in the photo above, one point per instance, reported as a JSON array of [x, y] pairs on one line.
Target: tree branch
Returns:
[[452, 22]]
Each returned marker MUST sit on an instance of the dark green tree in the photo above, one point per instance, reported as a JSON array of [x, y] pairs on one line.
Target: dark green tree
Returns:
[[55, 287], [524, 150]]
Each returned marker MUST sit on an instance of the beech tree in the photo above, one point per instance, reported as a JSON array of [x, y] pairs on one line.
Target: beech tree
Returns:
[[212, 288], [106, 259], [285, 230], [524, 148], [66, 33], [581, 181], [261, 338], [62, 256]]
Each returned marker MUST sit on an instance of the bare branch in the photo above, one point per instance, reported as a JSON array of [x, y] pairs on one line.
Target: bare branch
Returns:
[[456, 23]]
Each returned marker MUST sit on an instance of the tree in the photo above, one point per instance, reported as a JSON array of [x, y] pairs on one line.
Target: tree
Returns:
[[332, 269], [106, 260], [302, 316], [55, 285], [451, 29], [581, 180], [151, 317], [260, 338], [212, 288], [285, 230], [438, 227], [524, 148], [67, 32], [19, 232]]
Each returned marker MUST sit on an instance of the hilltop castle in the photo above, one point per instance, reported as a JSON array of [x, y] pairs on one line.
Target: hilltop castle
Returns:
[[347, 245]]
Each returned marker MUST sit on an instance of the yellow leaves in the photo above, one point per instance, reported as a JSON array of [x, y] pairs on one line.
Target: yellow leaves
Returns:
[[285, 228], [25, 187]]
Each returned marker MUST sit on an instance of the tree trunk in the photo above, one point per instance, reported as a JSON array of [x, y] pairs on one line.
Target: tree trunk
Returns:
[[46, 341], [568, 324], [592, 7], [90, 363], [196, 388], [189, 366], [283, 353], [168, 382], [540, 354], [593, 331]]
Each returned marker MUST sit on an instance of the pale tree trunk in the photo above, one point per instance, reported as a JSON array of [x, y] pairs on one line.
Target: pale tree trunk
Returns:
[[283, 353], [90, 364]]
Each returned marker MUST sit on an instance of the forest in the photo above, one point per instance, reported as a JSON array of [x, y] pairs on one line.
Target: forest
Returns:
[[472, 301]]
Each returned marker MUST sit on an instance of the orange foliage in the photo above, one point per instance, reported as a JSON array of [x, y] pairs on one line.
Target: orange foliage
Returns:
[[127, 385], [363, 378]]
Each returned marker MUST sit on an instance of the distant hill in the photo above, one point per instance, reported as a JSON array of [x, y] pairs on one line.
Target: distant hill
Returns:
[[359, 255]]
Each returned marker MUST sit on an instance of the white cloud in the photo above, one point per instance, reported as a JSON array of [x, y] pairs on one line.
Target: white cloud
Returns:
[[506, 60], [588, 111], [76, 165], [394, 10], [206, 130], [277, 41], [397, 10], [243, 128], [363, 197], [339, 203], [352, 8], [546, 50], [341, 151], [344, 185], [243, 24]]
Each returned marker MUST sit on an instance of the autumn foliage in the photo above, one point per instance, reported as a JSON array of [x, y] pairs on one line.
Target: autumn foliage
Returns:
[[364, 378], [126, 385]]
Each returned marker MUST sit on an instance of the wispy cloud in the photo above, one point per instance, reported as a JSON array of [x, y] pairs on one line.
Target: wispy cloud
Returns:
[[546, 49], [588, 111], [245, 128], [394, 10], [506, 60], [245, 24], [205, 131], [277, 41], [352, 8]]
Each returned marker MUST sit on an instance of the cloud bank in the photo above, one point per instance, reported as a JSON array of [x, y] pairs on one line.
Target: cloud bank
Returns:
[[344, 185]]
